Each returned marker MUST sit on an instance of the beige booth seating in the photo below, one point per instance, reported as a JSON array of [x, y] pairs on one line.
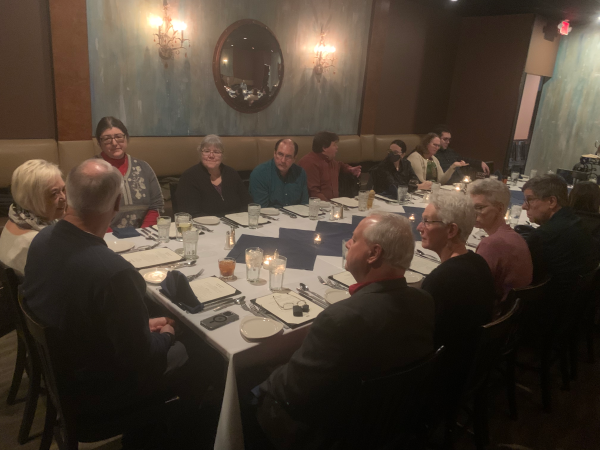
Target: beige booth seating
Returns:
[[15, 152]]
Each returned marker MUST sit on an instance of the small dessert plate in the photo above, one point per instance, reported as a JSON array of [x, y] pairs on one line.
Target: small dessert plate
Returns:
[[119, 246], [207, 220], [254, 327]]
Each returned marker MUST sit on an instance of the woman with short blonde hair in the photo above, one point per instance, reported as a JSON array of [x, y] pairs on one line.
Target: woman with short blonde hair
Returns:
[[39, 197]]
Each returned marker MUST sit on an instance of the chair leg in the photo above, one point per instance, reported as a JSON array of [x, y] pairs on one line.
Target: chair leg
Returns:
[[545, 382], [49, 424], [511, 385], [33, 393], [20, 364], [480, 419]]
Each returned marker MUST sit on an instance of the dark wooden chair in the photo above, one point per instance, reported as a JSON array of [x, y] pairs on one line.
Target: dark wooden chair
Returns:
[[392, 411], [27, 356], [63, 420]]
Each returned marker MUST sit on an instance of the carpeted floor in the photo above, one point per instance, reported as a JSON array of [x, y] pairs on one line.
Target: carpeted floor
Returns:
[[574, 423]]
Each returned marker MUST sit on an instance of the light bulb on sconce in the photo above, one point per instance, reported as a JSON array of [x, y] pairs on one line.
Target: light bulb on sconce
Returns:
[[324, 57], [225, 60], [170, 34]]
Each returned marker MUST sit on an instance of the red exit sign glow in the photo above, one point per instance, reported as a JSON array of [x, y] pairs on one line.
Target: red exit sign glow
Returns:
[[564, 27]]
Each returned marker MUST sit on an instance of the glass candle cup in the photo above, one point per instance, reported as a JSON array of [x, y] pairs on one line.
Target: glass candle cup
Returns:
[[190, 244], [164, 228], [514, 177], [183, 222], [253, 215], [227, 268], [515, 214], [254, 261], [313, 208], [276, 272]]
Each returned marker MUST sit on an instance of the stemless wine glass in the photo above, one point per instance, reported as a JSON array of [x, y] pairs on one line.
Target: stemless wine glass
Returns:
[[253, 215], [276, 272]]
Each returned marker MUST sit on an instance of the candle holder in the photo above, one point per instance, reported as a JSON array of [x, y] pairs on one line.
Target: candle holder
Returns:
[[337, 212], [267, 262], [317, 239], [411, 218]]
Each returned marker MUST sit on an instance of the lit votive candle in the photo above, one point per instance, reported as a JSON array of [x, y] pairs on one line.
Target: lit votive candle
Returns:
[[427, 198], [411, 217], [317, 239], [266, 262], [467, 179]]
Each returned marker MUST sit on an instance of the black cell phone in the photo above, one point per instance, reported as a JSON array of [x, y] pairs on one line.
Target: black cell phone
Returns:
[[214, 322]]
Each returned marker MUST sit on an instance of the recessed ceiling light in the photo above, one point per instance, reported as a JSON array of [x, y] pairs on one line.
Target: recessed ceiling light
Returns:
[[245, 38]]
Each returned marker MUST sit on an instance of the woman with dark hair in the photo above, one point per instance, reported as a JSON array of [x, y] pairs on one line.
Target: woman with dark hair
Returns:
[[426, 165], [141, 199], [395, 171], [584, 199]]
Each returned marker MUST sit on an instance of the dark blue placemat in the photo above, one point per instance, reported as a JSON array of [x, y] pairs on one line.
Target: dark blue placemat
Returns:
[[298, 256], [331, 243], [517, 198], [332, 234]]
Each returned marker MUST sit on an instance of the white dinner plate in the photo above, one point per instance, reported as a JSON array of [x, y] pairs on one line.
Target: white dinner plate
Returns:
[[270, 211], [336, 295], [207, 220], [325, 206], [154, 276], [412, 277], [254, 327], [119, 246]]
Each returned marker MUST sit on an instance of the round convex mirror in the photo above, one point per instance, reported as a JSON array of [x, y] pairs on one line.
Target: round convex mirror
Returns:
[[248, 66]]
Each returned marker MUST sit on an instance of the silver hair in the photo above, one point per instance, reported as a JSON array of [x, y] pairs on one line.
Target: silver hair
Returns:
[[31, 182], [93, 187], [496, 192], [456, 207], [394, 235], [212, 140]]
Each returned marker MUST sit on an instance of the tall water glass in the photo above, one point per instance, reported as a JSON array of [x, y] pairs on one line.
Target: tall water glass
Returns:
[[190, 244], [532, 174], [515, 214], [164, 228], [363, 198], [313, 208], [435, 187], [254, 261], [402, 193], [344, 252], [514, 176], [276, 272], [183, 222], [253, 215]]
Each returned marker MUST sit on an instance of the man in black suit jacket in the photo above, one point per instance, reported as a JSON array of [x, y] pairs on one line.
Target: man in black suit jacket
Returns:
[[384, 325]]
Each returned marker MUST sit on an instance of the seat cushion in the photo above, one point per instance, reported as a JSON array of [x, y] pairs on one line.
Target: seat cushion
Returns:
[[349, 149], [14, 152]]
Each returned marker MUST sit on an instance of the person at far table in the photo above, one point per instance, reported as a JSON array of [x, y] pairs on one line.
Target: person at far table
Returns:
[[322, 169], [395, 171], [142, 200], [39, 200], [447, 156], [505, 251], [280, 182], [425, 163], [211, 188], [584, 199], [462, 286], [384, 325], [74, 283], [561, 247]]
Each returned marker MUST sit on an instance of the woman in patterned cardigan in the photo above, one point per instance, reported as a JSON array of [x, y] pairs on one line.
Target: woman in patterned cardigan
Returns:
[[142, 200]]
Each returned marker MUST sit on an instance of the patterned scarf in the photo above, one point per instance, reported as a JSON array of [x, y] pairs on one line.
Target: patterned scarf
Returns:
[[27, 220]]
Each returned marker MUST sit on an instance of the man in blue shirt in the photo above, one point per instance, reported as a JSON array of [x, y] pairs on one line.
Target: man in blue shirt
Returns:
[[280, 182]]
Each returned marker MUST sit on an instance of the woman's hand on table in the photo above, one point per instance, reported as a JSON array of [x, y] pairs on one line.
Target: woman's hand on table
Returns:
[[425, 186], [159, 323]]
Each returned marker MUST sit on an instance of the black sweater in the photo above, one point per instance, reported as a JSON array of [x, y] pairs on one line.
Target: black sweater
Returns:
[[197, 196], [75, 283]]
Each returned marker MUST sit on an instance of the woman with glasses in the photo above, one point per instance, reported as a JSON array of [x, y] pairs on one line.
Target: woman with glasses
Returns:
[[211, 188], [141, 200], [505, 251], [462, 286], [426, 166]]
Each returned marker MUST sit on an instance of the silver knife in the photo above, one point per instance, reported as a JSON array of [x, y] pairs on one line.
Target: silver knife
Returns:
[[311, 298], [268, 217], [229, 303], [287, 213]]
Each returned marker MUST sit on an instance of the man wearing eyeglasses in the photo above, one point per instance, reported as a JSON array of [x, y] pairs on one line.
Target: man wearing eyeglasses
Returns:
[[280, 182], [447, 156]]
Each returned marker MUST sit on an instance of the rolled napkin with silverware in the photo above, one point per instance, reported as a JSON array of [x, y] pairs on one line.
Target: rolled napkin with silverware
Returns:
[[176, 288], [127, 232]]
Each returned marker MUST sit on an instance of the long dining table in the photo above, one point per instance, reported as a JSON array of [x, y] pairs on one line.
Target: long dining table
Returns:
[[238, 352]]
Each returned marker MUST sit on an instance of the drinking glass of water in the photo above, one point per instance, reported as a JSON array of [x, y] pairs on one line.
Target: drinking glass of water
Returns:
[[402, 193], [532, 174], [363, 198], [313, 208], [190, 244], [514, 176], [253, 215], [515, 214], [254, 261], [276, 272], [183, 222], [164, 228]]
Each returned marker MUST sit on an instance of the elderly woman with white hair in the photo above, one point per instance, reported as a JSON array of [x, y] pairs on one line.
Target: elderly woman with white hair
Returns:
[[505, 251], [462, 286], [39, 193], [211, 188]]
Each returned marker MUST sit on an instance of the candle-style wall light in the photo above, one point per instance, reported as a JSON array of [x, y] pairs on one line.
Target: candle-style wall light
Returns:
[[170, 34], [324, 57]]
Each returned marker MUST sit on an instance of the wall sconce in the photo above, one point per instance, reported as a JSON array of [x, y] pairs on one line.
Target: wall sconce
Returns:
[[324, 57], [225, 60], [170, 34]]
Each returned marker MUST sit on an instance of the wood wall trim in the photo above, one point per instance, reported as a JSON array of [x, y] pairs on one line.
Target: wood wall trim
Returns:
[[375, 55], [68, 24]]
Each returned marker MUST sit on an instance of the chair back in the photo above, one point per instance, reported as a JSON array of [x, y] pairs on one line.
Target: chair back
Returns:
[[393, 407], [494, 338]]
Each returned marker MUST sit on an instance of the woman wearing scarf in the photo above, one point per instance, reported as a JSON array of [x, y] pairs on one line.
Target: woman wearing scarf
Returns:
[[39, 200]]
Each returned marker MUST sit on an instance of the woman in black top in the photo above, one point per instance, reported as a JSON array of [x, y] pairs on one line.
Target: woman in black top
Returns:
[[395, 171], [585, 201], [211, 188]]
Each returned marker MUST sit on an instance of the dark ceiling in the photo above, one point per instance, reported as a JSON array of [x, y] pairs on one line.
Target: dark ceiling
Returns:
[[577, 11]]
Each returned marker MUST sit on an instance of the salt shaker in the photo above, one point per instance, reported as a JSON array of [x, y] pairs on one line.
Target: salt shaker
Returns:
[[228, 245]]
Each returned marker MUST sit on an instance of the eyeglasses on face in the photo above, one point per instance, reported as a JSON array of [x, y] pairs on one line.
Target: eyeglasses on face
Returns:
[[119, 138], [446, 139], [428, 223], [285, 157], [528, 201], [214, 152]]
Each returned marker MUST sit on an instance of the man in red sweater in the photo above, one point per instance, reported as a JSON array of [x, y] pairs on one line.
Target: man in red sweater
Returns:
[[322, 170]]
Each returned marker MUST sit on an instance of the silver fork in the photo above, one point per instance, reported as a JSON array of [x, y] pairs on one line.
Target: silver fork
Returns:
[[196, 275], [148, 235], [331, 284], [258, 312]]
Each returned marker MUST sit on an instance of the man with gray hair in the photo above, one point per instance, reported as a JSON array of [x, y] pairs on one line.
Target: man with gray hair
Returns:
[[76, 284], [384, 325]]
